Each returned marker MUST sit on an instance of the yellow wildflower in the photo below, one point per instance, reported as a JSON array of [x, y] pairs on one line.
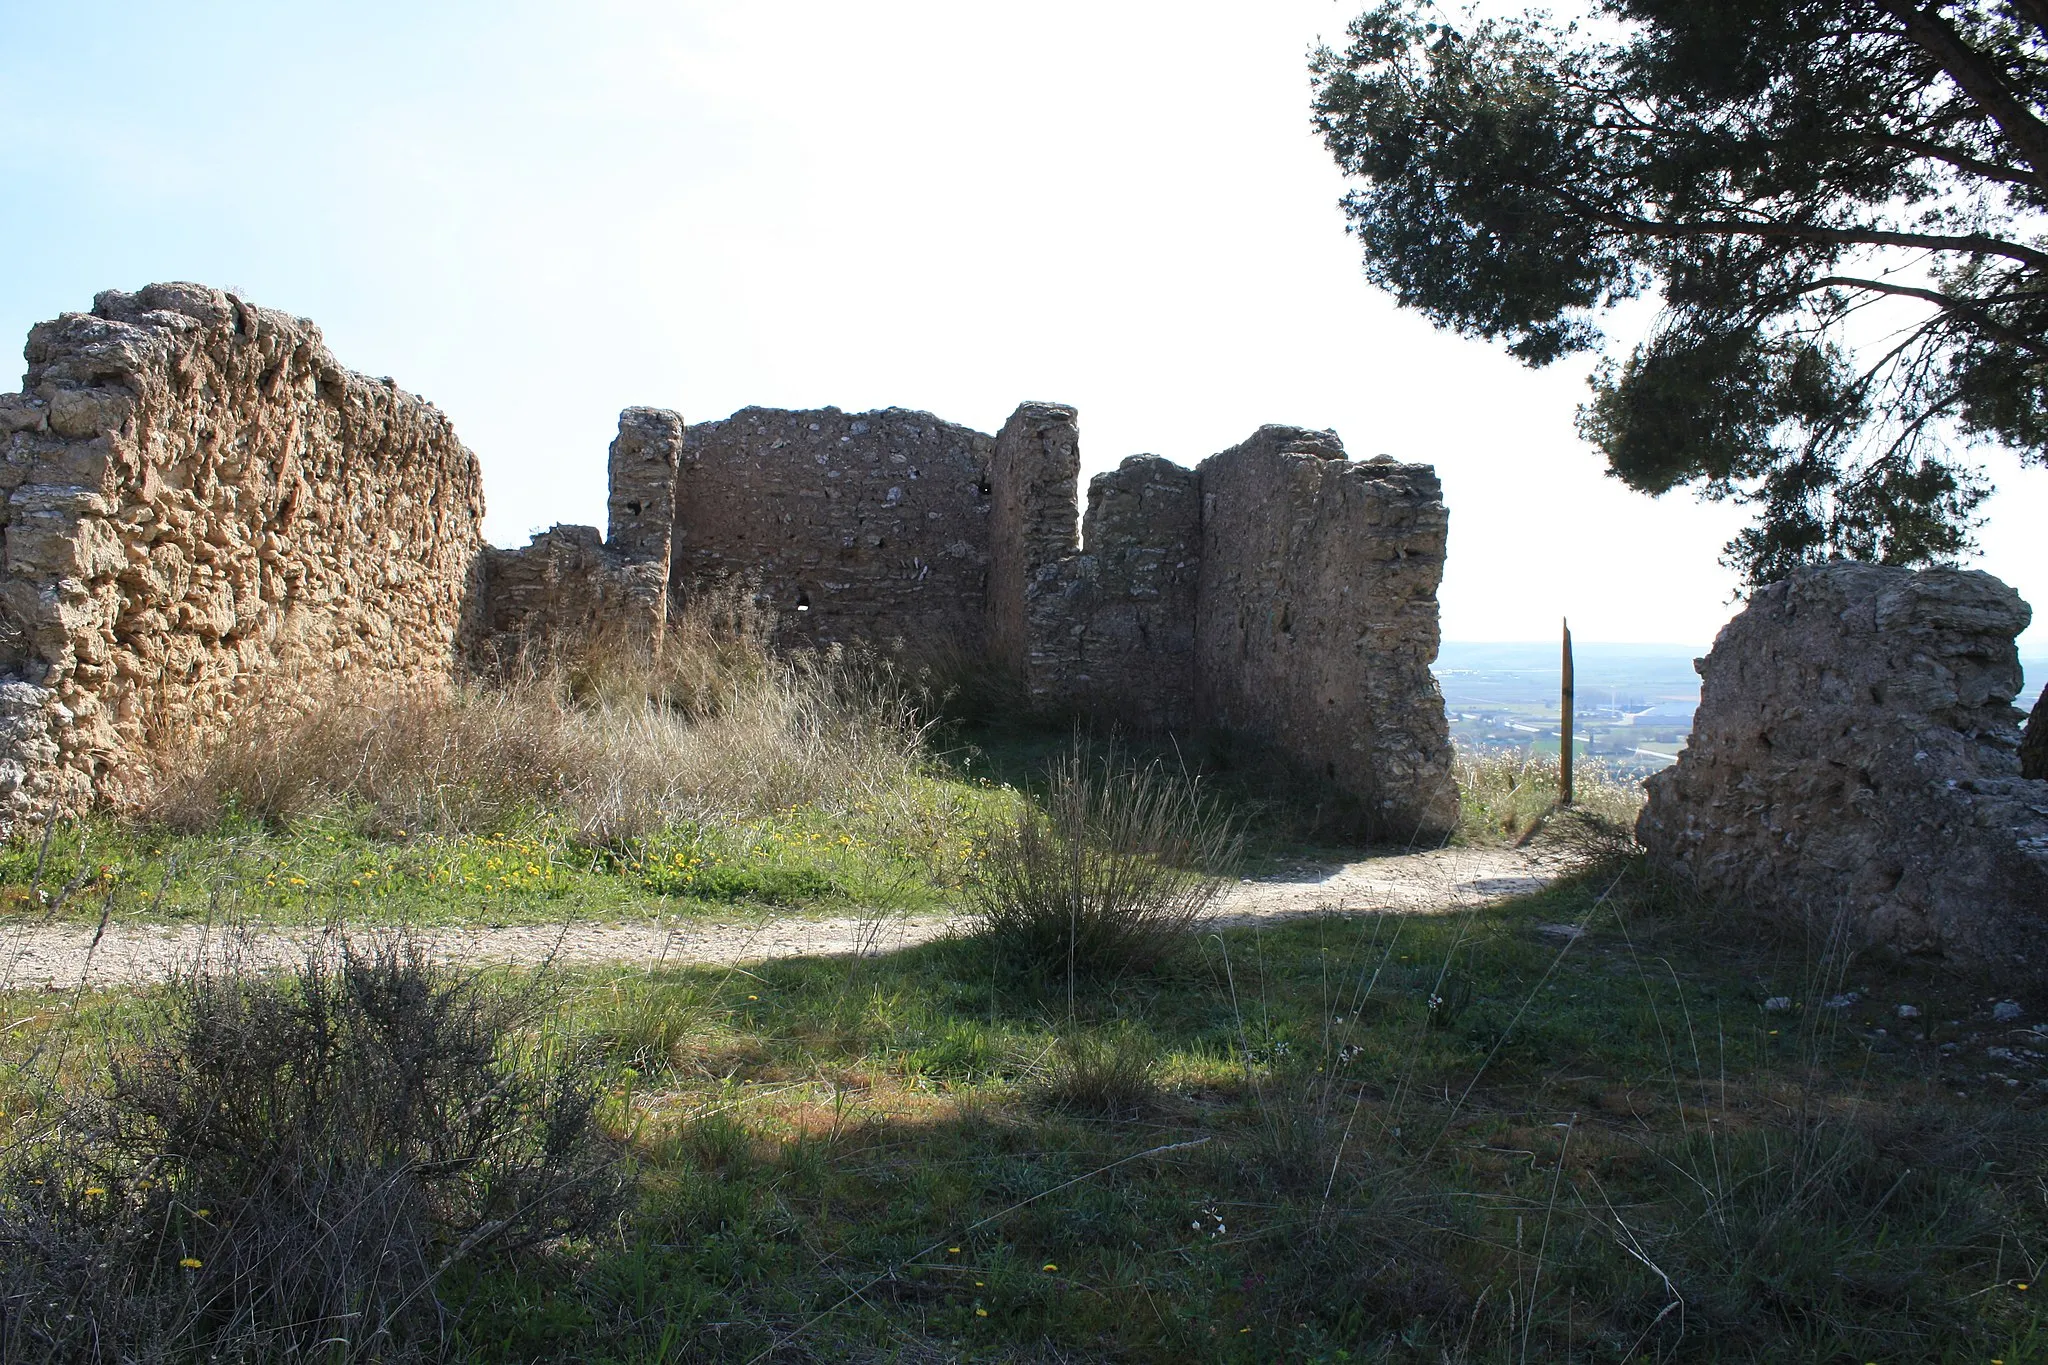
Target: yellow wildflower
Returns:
[[981, 1312], [94, 1191], [1050, 1266], [191, 1263]]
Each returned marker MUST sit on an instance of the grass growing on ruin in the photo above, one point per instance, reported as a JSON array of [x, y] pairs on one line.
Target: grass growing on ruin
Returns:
[[1579, 1127]]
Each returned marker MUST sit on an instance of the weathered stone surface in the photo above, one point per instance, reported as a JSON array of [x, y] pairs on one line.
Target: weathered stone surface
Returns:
[[2034, 744], [1856, 755], [642, 473], [1316, 620], [563, 590], [201, 504], [854, 527], [1033, 519]]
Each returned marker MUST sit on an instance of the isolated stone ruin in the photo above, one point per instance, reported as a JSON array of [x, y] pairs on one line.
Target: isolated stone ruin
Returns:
[[1856, 761], [205, 514]]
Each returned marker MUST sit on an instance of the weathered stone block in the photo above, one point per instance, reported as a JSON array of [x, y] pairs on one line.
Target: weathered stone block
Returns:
[[1855, 760]]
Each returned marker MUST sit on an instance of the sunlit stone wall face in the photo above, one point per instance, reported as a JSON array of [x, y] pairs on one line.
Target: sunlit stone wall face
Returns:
[[204, 512]]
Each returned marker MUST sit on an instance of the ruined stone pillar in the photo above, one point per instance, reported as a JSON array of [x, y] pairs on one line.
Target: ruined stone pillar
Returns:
[[642, 507], [1034, 523]]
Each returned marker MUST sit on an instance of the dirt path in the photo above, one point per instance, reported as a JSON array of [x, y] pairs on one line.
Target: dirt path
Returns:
[[58, 957]]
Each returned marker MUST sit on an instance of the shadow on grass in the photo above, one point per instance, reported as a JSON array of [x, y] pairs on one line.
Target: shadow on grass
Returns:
[[1568, 1128]]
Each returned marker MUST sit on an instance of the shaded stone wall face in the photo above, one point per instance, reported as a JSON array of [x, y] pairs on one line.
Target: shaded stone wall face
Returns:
[[1112, 626], [1316, 619], [1033, 518], [854, 527], [2034, 747], [202, 507], [1856, 754]]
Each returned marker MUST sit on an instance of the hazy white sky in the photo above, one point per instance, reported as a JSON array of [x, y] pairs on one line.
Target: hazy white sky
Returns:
[[536, 214]]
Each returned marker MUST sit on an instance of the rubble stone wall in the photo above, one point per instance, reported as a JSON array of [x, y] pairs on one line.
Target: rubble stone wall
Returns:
[[570, 587], [202, 507], [1316, 619], [854, 527], [1856, 754], [1033, 529]]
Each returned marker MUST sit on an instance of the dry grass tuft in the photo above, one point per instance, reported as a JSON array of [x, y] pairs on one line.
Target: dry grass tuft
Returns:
[[621, 739], [1512, 797], [1110, 874]]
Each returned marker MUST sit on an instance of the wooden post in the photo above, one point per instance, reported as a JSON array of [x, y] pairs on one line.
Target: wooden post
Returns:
[[1564, 729]]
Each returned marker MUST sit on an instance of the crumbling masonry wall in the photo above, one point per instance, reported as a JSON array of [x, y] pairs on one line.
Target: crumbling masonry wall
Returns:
[[571, 587], [1855, 759], [202, 508], [851, 527], [204, 512], [1316, 621]]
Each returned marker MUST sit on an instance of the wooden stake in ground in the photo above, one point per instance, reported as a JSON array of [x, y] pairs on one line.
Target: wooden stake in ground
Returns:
[[1564, 729]]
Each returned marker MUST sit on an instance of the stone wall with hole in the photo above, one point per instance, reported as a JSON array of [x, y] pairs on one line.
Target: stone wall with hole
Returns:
[[570, 587], [1855, 761], [202, 512], [852, 527]]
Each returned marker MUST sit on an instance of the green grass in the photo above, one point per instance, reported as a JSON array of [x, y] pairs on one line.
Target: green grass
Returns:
[[1468, 1137], [908, 851]]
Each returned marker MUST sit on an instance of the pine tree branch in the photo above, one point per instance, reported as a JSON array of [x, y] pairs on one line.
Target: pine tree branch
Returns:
[[1978, 78]]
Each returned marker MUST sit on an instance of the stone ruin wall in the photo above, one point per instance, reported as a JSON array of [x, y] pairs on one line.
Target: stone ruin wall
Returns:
[[849, 527], [571, 586], [1856, 758], [203, 511], [1317, 619]]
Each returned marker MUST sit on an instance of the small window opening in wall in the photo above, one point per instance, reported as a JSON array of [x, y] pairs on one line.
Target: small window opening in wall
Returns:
[[803, 600], [633, 508], [982, 488]]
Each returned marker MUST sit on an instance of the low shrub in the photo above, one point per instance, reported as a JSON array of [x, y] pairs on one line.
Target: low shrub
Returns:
[[1112, 1076], [288, 1167], [1109, 874]]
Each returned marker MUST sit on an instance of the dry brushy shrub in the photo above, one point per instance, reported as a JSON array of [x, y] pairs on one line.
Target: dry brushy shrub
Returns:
[[286, 1167], [620, 739], [1109, 874]]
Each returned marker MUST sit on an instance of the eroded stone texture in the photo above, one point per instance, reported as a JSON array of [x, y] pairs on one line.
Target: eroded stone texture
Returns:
[[854, 527], [562, 591], [2034, 745], [1316, 619], [642, 472], [1033, 519], [1856, 755], [202, 506], [568, 588], [1111, 627]]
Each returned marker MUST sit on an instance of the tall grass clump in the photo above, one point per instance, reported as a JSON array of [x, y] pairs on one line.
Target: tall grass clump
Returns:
[[1511, 797], [287, 1167], [1109, 874], [616, 736]]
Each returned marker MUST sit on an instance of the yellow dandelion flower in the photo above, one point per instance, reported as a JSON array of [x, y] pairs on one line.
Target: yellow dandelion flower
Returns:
[[298, 881], [191, 1263], [1050, 1266], [203, 1213], [753, 997], [94, 1191], [980, 1284], [981, 1312], [955, 1251]]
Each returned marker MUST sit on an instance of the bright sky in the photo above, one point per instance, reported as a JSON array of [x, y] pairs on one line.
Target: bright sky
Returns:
[[536, 214]]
